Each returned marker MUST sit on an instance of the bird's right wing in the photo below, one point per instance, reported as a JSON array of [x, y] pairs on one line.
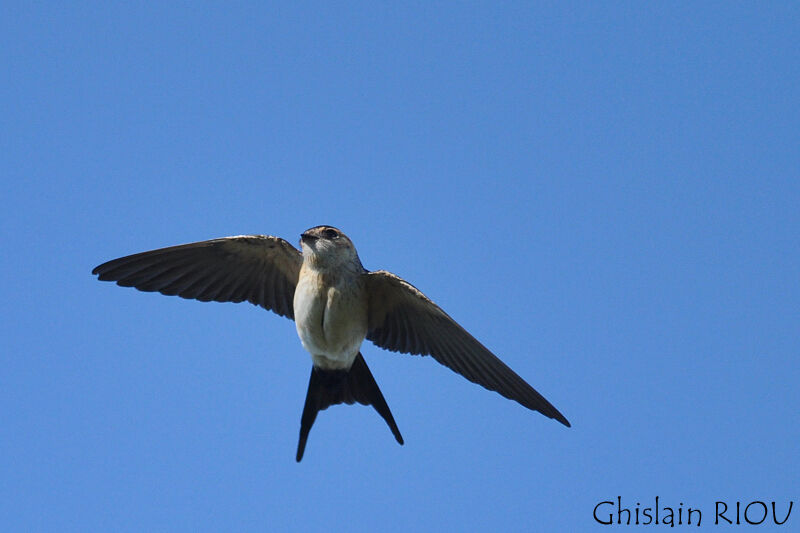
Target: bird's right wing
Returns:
[[258, 268], [402, 319]]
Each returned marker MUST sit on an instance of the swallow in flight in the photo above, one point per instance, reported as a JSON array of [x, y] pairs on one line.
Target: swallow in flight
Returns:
[[335, 303]]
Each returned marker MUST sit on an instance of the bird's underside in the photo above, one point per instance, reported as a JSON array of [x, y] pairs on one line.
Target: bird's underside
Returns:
[[266, 270]]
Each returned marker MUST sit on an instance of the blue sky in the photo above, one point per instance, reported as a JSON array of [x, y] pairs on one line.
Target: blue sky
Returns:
[[605, 195]]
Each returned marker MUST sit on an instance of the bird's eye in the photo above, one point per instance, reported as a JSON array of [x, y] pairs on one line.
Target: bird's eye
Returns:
[[330, 234]]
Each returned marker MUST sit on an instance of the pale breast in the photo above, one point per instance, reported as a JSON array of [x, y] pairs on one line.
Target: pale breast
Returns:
[[331, 318]]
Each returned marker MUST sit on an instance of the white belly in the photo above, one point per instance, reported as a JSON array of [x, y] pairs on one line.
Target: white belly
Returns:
[[331, 323]]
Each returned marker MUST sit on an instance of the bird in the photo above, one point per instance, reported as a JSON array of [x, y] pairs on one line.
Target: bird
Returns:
[[335, 303]]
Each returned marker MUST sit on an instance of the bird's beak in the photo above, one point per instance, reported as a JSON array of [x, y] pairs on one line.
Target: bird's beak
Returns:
[[307, 237]]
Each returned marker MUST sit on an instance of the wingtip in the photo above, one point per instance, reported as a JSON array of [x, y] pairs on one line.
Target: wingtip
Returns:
[[301, 448], [100, 270]]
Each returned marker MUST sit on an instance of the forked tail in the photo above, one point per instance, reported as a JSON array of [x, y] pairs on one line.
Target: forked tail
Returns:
[[332, 387]]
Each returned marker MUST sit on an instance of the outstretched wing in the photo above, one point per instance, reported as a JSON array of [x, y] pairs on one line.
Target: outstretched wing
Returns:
[[258, 268], [402, 319]]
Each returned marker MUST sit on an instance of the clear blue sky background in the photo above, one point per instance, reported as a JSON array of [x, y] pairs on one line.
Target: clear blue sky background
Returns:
[[607, 196]]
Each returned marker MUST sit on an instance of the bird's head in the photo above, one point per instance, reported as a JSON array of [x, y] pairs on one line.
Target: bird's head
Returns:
[[327, 247]]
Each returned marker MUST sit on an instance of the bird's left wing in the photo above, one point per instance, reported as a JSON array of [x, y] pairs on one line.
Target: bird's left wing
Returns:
[[258, 268], [402, 319]]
